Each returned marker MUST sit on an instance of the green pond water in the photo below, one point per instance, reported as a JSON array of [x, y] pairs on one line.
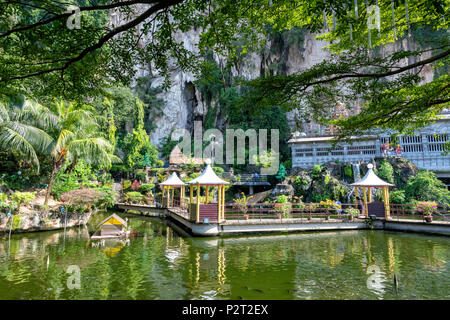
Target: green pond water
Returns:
[[159, 263]]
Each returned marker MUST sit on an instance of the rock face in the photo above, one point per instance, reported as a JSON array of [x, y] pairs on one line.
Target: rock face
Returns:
[[287, 53], [184, 103], [42, 221]]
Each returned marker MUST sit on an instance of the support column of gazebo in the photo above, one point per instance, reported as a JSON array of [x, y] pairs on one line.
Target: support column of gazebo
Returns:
[[371, 180], [168, 190], [212, 211]]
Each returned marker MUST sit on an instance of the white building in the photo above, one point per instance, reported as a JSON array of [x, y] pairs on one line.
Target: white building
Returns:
[[424, 148]]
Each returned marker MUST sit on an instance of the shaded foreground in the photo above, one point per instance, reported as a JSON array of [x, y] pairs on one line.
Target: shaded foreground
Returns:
[[159, 264]]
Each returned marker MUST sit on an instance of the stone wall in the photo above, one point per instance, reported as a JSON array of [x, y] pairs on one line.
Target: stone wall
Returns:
[[42, 221]]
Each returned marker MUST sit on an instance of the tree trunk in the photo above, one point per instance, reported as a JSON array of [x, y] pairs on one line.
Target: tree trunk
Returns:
[[72, 166], [50, 183]]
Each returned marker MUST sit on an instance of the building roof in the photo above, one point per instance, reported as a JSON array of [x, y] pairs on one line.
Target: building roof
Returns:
[[116, 217], [178, 157], [208, 177], [371, 180], [324, 139], [173, 181]]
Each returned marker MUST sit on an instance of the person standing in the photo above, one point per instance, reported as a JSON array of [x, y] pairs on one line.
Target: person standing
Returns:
[[360, 206]]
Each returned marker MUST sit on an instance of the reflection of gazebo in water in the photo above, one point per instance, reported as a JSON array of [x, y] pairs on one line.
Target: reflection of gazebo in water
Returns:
[[369, 181], [169, 185], [212, 211]]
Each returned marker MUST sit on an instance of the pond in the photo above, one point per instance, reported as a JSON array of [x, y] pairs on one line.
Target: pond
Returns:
[[159, 263]]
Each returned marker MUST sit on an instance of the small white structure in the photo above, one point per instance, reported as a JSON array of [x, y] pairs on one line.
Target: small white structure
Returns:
[[208, 177], [170, 184], [371, 180], [208, 211]]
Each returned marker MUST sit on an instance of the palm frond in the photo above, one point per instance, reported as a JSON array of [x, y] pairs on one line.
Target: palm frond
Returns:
[[93, 151], [4, 116], [11, 140], [39, 116], [38, 138]]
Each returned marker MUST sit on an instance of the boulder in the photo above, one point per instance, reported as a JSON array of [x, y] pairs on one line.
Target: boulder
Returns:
[[259, 197], [282, 189]]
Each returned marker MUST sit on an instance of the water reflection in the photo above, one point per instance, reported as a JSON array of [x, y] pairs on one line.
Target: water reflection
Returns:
[[158, 263]]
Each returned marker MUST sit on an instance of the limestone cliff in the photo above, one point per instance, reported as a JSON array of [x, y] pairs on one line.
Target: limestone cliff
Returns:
[[287, 53]]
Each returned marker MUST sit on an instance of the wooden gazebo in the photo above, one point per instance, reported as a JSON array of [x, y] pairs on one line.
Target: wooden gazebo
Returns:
[[203, 212], [168, 186], [371, 180]]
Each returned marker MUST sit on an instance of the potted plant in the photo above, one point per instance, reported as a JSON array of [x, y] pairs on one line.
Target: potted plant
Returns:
[[242, 205], [327, 205], [427, 208], [352, 213], [282, 207]]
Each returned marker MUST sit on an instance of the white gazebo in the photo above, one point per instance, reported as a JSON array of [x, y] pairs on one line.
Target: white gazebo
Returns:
[[170, 184], [371, 180], [210, 211]]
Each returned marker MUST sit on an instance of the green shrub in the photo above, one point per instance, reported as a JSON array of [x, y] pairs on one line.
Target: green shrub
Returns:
[[218, 170], [426, 187], [89, 184], [348, 172], [317, 168], [157, 170], [282, 199], [64, 183], [192, 176], [146, 187], [126, 185], [5, 207], [386, 171], [140, 175], [3, 197], [397, 196], [352, 211], [22, 197], [108, 198], [134, 196]]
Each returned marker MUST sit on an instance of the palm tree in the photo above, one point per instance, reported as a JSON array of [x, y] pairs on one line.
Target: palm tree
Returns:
[[77, 137], [19, 136]]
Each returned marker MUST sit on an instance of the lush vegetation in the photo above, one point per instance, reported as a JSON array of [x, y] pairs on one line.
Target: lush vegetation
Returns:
[[70, 118]]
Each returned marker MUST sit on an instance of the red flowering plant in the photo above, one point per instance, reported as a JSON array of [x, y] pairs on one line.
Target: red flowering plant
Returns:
[[136, 185], [427, 208]]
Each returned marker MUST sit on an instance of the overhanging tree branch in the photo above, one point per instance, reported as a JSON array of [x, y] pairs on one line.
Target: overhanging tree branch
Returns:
[[157, 7], [68, 14]]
